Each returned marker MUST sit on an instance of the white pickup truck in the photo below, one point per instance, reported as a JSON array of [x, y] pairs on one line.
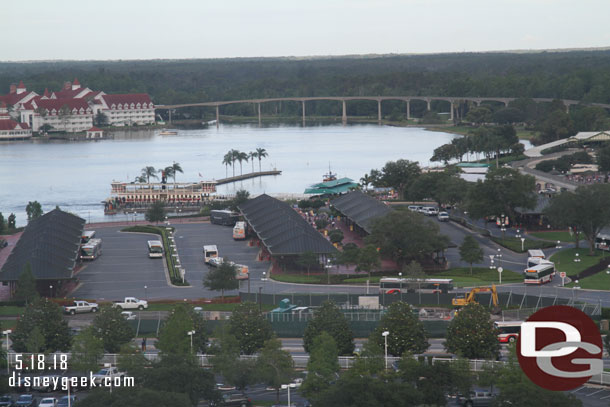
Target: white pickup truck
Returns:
[[80, 307], [131, 303], [107, 374]]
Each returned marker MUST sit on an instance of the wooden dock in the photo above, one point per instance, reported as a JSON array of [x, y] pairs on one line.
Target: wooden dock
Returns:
[[247, 176]]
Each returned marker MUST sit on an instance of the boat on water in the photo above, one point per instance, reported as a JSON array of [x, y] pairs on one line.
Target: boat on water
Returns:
[[168, 132], [329, 176]]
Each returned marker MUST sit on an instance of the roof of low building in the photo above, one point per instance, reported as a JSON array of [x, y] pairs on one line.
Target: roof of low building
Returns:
[[50, 244], [542, 201], [337, 186], [361, 208], [281, 229]]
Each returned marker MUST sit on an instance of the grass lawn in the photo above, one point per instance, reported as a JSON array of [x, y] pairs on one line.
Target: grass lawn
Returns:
[[300, 279], [564, 260], [563, 236], [11, 310], [480, 276], [599, 281], [515, 244]]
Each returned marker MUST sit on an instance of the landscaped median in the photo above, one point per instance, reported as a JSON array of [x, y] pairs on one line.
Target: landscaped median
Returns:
[[174, 271], [461, 277], [564, 262], [515, 244]]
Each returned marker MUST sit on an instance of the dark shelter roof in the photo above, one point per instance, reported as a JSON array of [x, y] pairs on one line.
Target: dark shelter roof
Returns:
[[542, 202], [281, 229], [50, 244], [360, 208]]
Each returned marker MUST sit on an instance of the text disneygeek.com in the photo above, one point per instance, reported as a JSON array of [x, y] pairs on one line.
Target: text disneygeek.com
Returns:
[[64, 382]]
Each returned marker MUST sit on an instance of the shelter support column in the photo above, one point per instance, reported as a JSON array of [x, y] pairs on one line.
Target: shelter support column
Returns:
[[344, 117], [217, 116]]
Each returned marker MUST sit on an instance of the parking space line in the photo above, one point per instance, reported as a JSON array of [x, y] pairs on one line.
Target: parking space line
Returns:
[[580, 388], [605, 397], [595, 392]]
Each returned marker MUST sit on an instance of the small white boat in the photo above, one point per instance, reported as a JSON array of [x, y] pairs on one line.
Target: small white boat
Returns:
[[168, 133]]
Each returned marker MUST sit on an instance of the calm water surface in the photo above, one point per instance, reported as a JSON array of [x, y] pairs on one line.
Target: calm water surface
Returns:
[[77, 175]]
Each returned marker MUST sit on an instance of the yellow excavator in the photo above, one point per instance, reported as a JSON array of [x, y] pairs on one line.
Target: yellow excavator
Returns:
[[469, 298]]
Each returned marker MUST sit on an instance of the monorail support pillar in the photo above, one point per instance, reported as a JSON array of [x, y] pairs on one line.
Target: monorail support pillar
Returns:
[[259, 115], [217, 116], [428, 104], [379, 110], [344, 117], [451, 109], [408, 109], [170, 115], [303, 104]]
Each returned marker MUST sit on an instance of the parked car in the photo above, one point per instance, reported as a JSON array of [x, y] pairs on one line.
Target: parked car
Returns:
[[80, 307], [131, 303], [128, 315], [413, 208], [3, 243], [25, 400], [476, 398], [107, 372], [443, 217], [430, 211], [215, 261], [48, 402], [6, 401], [63, 402], [233, 399]]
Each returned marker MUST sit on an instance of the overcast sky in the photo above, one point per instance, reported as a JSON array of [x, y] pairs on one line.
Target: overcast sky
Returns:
[[147, 29]]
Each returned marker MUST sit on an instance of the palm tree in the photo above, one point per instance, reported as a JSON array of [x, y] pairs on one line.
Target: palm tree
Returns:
[[169, 172], [240, 156], [252, 155], [234, 154], [227, 161], [149, 172], [365, 181], [140, 179], [176, 168], [260, 153]]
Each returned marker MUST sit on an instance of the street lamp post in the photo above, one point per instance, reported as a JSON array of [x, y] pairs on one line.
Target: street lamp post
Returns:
[[260, 300], [191, 333], [400, 280], [146, 292], [7, 333], [499, 256], [51, 291], [500, 270], [522, 242], [385, 338], [289, 386]]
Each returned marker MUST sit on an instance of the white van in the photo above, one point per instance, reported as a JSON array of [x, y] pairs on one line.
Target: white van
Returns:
[[209, 252]]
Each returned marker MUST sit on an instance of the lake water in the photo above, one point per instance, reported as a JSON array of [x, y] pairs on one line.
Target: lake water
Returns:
[[77, 175]]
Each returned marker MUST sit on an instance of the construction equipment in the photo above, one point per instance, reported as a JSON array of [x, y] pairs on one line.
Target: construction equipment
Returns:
[[470, 298]]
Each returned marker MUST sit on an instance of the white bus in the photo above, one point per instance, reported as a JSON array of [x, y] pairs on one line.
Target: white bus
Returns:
[[155, 249], [540, 274], [91, 250], [86, 236], [239, 231], [508, 331], [209, 252], [393, 285]]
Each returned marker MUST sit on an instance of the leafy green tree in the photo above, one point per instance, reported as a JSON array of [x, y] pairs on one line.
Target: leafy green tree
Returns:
[[404, 235], [308, 260], [12, 220], [250, 327], [241, 197], [33, 210], [48, 318], [173, 336], [322, 366], [321, 223], [603, 158], [274, 365], [112, 328], [586, 210], [443, 187], [35, 342], [470, 251], [175, 169], [221, 278], [472, 335], [87, 350], [260, 154], [407, 333], [26, 286], [350, 254], [414, 271], [503, 190], [149, 172], [227, 363], [371, 360], [156, 212], [2, 223], [329, 318], [134, 397], [368, 259], [101, 119], [335, 236], [399, 175], [241, 157], [557, 125]]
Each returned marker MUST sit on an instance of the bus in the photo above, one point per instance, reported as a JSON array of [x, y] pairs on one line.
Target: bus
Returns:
[[508, 331], [392, 285], [241, 272], [155, 249], [86, 236], [602, 240], [239, 231], [540, 274], [223, 217], [91, 250], [209, 252]]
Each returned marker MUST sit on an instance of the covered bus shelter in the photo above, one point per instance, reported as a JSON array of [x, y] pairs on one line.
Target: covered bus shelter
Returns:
[[360, 210], [50, 246]]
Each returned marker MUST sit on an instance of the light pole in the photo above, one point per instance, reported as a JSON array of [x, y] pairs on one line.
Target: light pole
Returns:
[[289, 386], [400, 279], [51, 291], [500, 270], [385, 339], [7, 333], [146, 293], [522, 242], [191, 333], [328, 271], [499, 256], [260, 300]]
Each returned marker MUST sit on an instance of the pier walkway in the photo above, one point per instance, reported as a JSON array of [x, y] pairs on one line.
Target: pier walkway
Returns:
[[247, 176]]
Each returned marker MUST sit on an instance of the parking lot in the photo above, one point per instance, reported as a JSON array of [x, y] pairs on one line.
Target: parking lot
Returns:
[[124, 267], [593, 396]]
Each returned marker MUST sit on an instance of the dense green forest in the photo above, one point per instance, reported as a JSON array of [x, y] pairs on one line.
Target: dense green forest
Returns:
[[580, 75]]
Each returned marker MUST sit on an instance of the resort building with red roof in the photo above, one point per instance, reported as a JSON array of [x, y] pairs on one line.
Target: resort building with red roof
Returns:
[[11, 129]]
